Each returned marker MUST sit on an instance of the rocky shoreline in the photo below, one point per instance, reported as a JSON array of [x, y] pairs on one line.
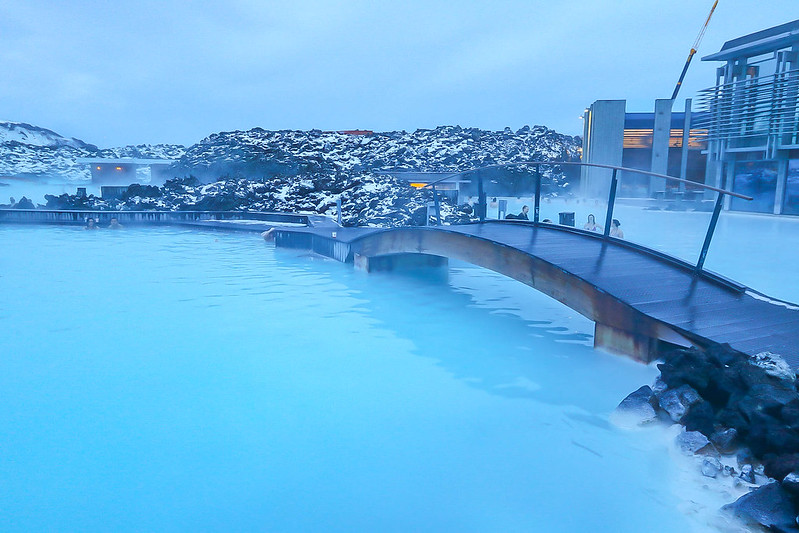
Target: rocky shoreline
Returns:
[[740, 417]]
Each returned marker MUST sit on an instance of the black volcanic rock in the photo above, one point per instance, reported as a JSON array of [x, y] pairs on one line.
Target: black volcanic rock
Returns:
[[769, 505], [260, 153]]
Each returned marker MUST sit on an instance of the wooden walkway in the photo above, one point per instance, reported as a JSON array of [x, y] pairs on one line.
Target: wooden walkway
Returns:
[[599, 278]]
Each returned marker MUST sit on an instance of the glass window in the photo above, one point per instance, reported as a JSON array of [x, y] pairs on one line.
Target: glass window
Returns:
[[790, 205], [757, 179]]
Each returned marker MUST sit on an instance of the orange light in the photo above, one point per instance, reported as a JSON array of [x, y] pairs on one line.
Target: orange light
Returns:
[[99, 168], [418, 185], [119, 168]]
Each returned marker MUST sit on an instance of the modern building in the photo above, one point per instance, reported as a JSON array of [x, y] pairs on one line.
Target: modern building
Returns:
[[744, 134], [645, 141], [127, 170], [752, 120]]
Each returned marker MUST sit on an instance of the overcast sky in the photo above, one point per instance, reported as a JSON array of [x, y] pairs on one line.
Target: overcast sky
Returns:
[[115, 73]]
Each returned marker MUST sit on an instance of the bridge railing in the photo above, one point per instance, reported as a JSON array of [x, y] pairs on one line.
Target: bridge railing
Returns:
[[482, 203], [79, 216]]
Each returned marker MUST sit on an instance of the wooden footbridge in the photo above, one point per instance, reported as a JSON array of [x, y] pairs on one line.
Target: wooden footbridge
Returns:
[[642, 301]]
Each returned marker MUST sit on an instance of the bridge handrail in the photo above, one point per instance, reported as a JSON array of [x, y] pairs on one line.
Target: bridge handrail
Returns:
[[598, 165], [159, 215], [482, 200]]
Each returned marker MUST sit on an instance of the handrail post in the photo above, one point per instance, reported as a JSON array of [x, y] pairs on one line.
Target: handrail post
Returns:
[[482, 204], [710, 229], [438, 206], [537, 205], [611, 201]]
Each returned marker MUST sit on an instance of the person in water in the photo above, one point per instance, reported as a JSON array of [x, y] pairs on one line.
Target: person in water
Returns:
[[90, 224], [591, 225], [114, 224], [615, 229], [520, 216]]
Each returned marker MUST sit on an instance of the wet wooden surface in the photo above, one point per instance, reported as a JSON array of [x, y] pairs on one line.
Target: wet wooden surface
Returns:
[[694, 304]]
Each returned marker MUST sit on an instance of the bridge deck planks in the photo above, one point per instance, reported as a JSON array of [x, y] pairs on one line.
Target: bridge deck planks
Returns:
[[657, 288]]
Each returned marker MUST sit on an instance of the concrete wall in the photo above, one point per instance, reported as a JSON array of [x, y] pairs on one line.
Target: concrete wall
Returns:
[[603, 144], [660, 144]]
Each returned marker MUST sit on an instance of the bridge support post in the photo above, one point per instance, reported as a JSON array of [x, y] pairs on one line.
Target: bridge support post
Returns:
[[390, 263], [714, 219], [482, 202], [611, 202], [537, 205], [616, 341], [438, 206]]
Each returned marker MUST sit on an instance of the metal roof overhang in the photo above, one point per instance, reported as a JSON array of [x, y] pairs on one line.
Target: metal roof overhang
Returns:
[[123, 161], [757, 47]]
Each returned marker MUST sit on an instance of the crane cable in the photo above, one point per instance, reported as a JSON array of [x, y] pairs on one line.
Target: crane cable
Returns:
[[693, 50]]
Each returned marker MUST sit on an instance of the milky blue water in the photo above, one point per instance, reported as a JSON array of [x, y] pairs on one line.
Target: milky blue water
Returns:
[[168, 379]]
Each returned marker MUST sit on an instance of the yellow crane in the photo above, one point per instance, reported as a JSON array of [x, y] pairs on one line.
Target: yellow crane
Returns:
[[693, 50]]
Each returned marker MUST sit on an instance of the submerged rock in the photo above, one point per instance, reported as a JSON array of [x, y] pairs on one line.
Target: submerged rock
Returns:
[[637, 408], [711, 467], [769, 505]]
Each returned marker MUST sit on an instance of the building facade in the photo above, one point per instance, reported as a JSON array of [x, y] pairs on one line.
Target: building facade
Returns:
[[752, 120], [127, 170], [743, 134], [650, 141]]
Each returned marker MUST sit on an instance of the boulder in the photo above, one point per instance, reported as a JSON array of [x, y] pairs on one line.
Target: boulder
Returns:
[[765, 398], [687, 367], [659, 387], [769, 505], [636, 408], [779, 466], [769, 435], [789, 413], [744, 457], [725, 440], [791, 483], [692, 442], [700, 417], [711, 467], [732, 418], [747, 474], [773, 365], [677, 401]]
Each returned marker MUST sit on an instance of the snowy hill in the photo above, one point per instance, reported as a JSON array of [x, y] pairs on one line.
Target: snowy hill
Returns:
[[259, 153], [19, 132], [32, 152], [299, 171]]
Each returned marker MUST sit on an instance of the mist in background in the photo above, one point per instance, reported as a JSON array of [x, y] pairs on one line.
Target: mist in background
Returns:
[[146, 72]]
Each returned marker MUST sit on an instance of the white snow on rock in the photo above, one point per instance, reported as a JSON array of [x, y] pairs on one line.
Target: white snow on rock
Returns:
[[773, 365], [32, 152]]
